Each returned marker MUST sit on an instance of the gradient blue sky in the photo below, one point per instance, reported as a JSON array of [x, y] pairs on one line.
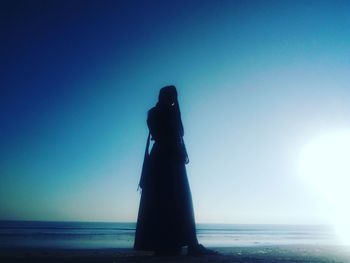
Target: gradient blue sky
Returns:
[[257, 80]]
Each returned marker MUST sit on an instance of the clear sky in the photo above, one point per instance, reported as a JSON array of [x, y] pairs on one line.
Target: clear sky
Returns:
[[257, 81]]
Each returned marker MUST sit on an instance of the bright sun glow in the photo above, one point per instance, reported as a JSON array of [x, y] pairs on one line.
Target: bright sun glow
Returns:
[[324, 166]]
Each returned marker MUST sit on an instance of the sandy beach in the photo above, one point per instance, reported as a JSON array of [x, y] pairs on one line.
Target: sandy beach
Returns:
[[272, 254]]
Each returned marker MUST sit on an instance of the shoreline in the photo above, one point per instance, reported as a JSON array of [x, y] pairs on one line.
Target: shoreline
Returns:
[[248, 254]]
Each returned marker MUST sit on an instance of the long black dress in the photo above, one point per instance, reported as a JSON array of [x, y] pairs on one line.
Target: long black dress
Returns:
[[165, 219]]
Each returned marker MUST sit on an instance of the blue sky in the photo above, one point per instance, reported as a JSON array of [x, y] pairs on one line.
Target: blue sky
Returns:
[[256, 80]]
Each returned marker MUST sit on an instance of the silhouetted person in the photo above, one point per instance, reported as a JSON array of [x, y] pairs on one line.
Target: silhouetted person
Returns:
[[166, 220]]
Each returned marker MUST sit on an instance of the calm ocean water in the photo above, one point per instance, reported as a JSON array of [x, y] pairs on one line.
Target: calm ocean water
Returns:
[[34, 234]]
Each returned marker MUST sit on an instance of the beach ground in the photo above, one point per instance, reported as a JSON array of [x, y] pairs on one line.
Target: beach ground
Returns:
[[271, 254]]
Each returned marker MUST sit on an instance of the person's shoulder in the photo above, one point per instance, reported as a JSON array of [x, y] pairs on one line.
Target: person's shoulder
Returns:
[[152, 111]]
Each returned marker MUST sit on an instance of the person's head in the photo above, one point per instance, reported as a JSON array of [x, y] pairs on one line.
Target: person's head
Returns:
[[168, 96], [168, 99]]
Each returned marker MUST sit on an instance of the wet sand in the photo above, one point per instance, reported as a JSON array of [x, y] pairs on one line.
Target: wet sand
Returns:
[[271, 254]]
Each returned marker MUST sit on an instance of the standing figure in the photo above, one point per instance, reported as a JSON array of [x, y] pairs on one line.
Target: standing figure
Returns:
[[166, 220]]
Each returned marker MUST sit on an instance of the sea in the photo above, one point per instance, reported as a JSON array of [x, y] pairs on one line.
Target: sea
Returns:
[[103, 235]]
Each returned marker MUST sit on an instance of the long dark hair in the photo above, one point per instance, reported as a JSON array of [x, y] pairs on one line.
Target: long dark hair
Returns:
[[168, 98]]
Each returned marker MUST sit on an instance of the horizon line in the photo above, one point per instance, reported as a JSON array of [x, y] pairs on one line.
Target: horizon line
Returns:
[[134, 222]]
